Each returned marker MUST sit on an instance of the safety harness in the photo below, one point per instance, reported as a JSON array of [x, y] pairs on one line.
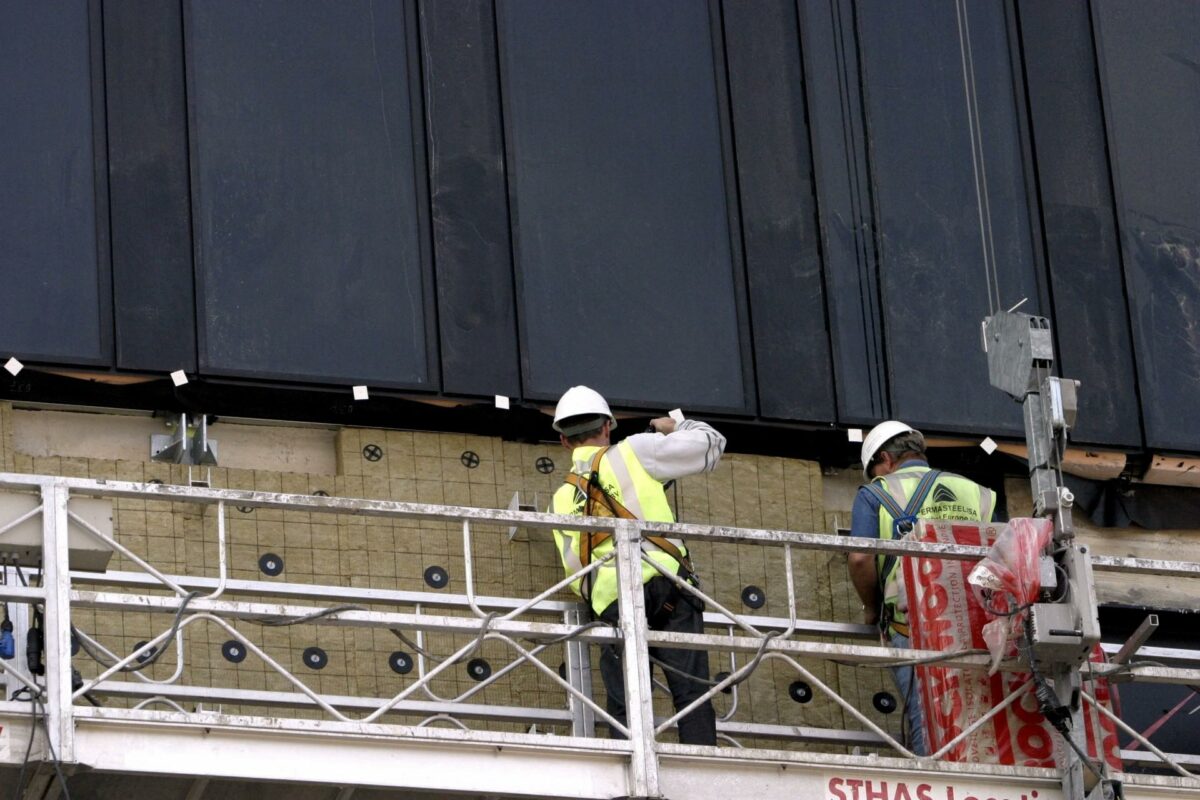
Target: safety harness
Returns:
[[599, 503], [903, 520]]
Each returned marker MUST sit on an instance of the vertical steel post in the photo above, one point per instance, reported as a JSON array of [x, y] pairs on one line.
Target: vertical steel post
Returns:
[[57, 579], [639, 705], [579, 675]]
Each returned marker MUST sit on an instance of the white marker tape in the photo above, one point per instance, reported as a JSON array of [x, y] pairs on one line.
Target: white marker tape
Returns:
[[360, 393], [179, 377], [13, 366], [677, 415], [989, 445], [854, 434], [502, 402]]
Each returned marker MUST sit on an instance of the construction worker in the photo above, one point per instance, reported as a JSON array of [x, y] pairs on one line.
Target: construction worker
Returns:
[[627, 481], [900, 488]]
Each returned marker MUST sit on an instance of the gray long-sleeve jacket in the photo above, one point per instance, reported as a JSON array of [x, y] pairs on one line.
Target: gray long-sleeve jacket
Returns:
[[692, 448]]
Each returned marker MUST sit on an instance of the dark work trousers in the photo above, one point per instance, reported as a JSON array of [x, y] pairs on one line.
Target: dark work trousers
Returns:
[[698, 727]]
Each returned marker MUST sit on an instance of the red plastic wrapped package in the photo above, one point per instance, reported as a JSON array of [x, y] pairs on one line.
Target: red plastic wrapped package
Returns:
[[944, 614], [1007, 581]]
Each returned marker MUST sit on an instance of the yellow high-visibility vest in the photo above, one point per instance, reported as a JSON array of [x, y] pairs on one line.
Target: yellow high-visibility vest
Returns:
[[624, 479], [952, 497]]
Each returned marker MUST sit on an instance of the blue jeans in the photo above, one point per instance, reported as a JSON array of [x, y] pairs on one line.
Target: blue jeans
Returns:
[[906, 682]]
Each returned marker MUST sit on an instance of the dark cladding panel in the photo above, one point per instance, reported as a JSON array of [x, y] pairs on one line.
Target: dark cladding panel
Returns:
[[148, 185], [54, 275], [472, 248], [304, 191], [1082, 249], [783, 260], [627, 282], [928, 222], [829, 48], [1150, 68]]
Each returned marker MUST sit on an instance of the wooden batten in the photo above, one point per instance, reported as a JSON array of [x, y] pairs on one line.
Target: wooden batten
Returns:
[[1095, 465], [1173, 471]]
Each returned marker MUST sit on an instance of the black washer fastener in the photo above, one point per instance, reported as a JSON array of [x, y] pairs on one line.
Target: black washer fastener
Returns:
[[320, 493], [754, 597], [479, 669], [720, 676], [544, 465], [270, 564], [437, 577], [245, 509], [800, 691], [372, 452], [146, 656], [315, 658], [469, 459], [884, 702], [400, 662], [234, 651]]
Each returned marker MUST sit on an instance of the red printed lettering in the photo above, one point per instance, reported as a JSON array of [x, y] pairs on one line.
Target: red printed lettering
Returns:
[[925, 792], [880, 793], [1034, 742], [902, 792], [855, 784], [835, 788]]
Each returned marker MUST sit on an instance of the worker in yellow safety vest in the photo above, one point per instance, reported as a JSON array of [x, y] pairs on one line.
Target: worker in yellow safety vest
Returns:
[[626, 480], [901, 488]]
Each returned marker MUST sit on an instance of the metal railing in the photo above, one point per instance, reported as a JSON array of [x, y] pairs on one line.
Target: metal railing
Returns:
[[525, 628]]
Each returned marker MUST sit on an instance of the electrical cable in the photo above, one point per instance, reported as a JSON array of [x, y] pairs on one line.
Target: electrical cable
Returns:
[[743, 673], [399, 634], [28, 748], [569, 634], [106, 662], [35, 706], [7, 642], [987, 606], [483, 629], [279, 622], [913, 662], [62, 781], [1057, 715]]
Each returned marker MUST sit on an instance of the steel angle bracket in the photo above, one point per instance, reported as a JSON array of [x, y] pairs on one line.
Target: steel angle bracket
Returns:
[[188, 444]]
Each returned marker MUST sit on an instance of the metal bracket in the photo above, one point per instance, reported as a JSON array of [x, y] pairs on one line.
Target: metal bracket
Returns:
[[1135, 642], [1018, 346], [515, 504], [188, 444]]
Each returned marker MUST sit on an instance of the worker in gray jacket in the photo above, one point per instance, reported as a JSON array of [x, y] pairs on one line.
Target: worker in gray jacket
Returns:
[[626, 481]]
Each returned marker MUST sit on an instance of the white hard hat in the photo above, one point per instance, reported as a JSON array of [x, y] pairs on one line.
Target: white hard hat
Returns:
[[580, 401], [880, 435]]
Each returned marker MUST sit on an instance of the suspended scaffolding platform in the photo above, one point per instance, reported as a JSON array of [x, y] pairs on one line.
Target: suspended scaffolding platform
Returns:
[[153, 736]]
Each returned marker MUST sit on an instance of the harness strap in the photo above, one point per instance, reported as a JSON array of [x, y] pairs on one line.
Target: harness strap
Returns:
[[594, 494], [902, 519]]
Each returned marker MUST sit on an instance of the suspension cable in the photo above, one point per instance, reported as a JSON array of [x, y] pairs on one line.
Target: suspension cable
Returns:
[[978, 163]]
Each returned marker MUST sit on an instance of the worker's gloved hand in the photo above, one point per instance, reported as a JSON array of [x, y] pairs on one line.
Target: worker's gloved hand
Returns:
[[662, 425]]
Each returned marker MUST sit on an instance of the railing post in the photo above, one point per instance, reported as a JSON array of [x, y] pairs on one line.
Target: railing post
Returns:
[[57, 580], [639, 705], [579, 675]]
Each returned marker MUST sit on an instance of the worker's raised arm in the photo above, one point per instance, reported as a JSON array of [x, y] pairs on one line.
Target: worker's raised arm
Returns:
[[677, 450]]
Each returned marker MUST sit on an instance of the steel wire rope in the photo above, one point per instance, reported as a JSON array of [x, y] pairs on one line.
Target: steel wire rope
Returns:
[[1170, 762], [978, 162]]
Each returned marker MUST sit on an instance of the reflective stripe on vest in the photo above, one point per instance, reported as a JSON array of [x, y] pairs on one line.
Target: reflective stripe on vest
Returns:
[[952, 497], [625, 480]]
